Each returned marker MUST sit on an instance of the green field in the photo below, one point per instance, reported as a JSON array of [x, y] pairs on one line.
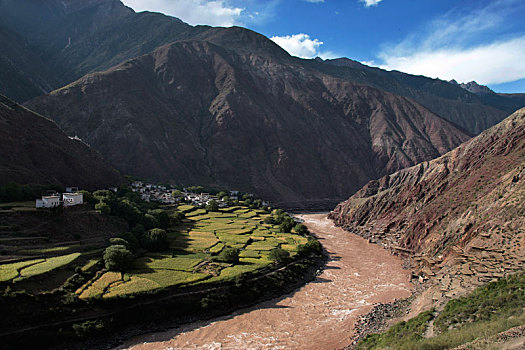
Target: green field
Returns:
[[23, 270], [194, 244], [489, 310]]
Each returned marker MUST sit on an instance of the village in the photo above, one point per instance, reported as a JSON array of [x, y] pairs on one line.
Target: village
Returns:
[[171, 195], [148, 192]]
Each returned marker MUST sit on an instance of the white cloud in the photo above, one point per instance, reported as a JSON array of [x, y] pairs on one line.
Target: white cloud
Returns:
[[299, 45], [214, 12], [369, 3], [462, 46], [494, 63]]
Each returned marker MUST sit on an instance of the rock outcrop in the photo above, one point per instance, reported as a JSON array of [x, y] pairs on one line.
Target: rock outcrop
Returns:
[[459, 218]]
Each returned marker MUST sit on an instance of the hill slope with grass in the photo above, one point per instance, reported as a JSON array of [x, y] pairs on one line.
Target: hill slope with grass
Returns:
[[34, 150]]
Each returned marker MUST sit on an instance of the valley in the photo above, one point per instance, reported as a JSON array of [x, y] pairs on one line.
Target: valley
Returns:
[[235, 183], [320, 315]]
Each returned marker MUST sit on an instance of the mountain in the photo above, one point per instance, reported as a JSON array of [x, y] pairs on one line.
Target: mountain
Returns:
[[463, 214], [24, 74], [75, 37], [448, 100], [71, 38], [34, 150], [251, 118]]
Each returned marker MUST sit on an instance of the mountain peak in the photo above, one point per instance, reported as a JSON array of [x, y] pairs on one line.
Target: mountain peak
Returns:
[[474, 87]]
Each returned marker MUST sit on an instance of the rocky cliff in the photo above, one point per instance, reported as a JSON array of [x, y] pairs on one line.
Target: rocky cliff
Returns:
[[249, 117], [34, 150], [461, 216]]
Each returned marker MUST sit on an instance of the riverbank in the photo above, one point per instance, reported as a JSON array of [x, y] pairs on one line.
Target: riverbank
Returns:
[[319, 315]]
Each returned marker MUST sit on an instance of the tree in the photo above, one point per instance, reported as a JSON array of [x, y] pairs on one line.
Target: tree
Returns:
[[301, 229], [162, 217], [212, 206], [269, 220], [119, 241], [279, 255], [222, 194], [89, 198], [103, 207], [287, 225], [155, 240], [230, 255], [117, 258], [133, 242], [312, 246]]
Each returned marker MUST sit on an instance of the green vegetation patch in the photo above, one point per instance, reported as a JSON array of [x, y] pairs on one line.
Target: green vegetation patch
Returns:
[[48, 265], [99, 286], [168, 278], [10, 271], [487, 311], [167, 263], [135, 285], [216, 249], [49, 250], [196, 213], [249, 254], [233, 239], [90, 264], [185, 208], [262, 245]]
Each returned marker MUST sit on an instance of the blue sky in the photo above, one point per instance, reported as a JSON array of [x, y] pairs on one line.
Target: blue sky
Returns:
[[466, 40]]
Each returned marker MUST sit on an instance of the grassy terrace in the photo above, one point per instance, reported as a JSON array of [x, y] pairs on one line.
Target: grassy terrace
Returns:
[[193, 248], [489, 310]]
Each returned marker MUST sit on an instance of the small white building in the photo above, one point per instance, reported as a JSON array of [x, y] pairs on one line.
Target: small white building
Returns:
[[71, 199], [48, 202]]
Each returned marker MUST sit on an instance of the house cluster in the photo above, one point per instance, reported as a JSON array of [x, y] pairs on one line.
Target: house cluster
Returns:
[[203, 199], [169, 195], [158, 193], [54, 199]]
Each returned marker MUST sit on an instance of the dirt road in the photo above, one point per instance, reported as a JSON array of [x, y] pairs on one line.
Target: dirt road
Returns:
[[320, 315]]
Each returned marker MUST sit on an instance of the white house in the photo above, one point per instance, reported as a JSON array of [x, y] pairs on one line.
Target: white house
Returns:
[[48, 202], [71, 199]]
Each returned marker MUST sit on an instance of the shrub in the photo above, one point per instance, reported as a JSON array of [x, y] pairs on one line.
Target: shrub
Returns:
[[212, 206], [279, 255], [119, 241], [103, 207], [131, 239], [138, 230], [89, 198], [117, 258], [155, 240], [301, 229], [162, 217], [230, 255], [287, 225]]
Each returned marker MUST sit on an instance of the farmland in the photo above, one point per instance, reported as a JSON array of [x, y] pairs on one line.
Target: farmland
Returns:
[[191, 256]]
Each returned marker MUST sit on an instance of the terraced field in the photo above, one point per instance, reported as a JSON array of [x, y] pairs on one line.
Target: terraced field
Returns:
[[192, 251]]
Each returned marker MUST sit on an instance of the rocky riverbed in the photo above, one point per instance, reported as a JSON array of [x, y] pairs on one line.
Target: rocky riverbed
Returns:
[[320, 315]]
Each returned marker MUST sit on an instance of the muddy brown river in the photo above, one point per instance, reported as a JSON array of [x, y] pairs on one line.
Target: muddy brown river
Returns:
[[320, 315]]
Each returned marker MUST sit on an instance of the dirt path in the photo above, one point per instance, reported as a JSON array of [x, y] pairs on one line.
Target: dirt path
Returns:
[[320, 315]]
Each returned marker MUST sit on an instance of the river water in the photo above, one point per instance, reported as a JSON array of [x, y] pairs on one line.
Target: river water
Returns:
[[320, 315]]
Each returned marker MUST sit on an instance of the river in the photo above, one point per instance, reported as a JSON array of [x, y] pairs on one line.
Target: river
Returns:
[[320, 315]]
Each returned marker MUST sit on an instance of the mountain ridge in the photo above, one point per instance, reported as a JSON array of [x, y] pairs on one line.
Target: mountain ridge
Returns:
[[240, 120]]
